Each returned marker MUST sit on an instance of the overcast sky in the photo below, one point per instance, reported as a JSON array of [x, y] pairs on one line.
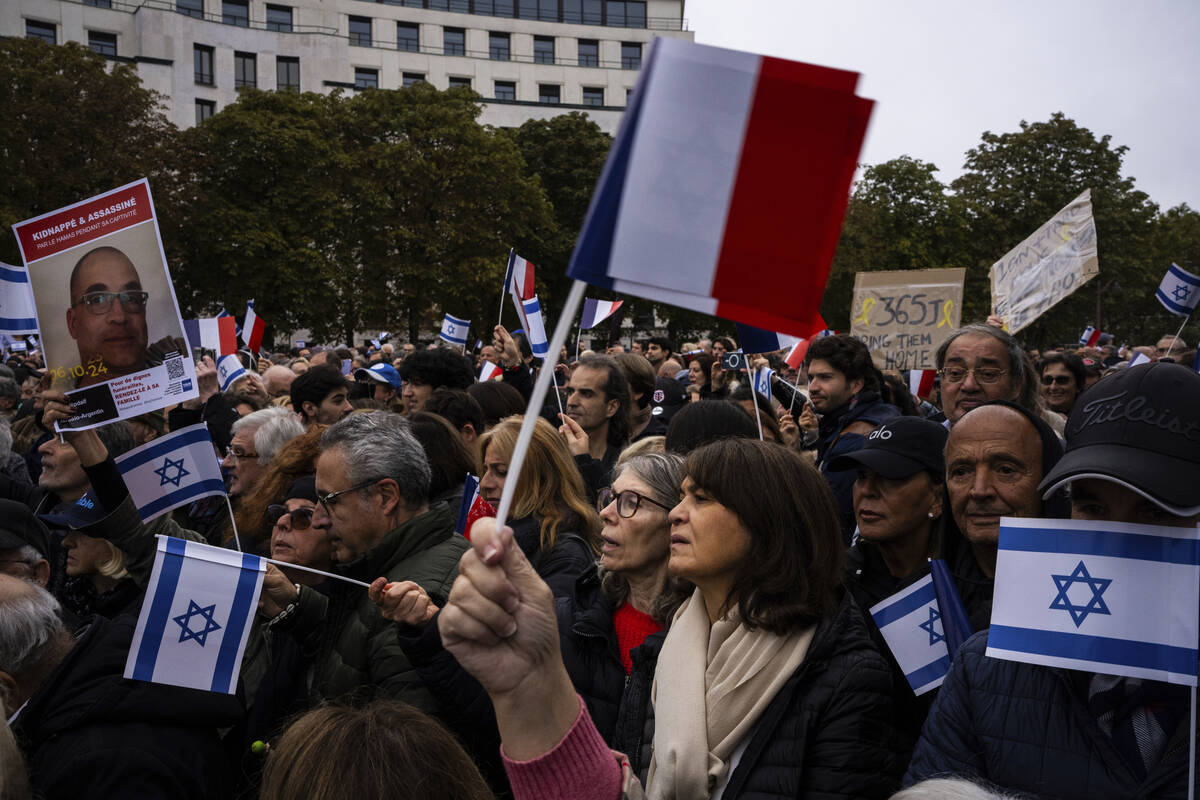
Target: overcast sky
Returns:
[[941, 73]]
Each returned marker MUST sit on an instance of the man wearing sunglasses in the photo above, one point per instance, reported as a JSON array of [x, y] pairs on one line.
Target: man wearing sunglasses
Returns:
[[107, 317]]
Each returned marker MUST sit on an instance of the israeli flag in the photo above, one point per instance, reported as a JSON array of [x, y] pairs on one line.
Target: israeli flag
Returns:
[[17, 315], [171, 471], [911, 624], [229, 369], [1179, 291], [454, 331], [762, 381], [196, 616], [535, 327], [1108, 597]]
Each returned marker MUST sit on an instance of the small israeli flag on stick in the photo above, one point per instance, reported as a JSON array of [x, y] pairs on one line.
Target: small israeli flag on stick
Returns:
[[229, 369], [171, 471], [911, 624], [454, 331], [196, 616], [1179, 291]]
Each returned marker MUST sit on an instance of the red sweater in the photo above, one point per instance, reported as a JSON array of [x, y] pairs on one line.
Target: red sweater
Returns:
[[632, 627]]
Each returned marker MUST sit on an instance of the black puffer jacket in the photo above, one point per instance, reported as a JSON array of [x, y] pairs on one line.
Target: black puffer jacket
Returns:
[[1027, 728], [89, 733]]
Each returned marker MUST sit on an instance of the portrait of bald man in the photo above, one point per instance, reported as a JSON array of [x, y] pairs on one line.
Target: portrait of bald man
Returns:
[[107, 317]]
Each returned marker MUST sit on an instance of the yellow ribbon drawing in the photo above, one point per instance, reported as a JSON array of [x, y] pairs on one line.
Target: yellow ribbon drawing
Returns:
[[863, 315], [945, 320]]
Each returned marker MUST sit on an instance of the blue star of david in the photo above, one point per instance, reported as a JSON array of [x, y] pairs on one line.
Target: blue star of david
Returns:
[[168, 464], [1094, 606], [184, 622], [934, 636], [1181, 293]]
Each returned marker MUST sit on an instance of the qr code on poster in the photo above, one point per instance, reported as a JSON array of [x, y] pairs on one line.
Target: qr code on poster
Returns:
[[174, 368]]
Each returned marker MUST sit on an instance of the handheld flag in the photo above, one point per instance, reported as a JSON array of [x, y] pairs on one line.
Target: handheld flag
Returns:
[[920, 382], [762, 381], [1179, 291], [1098, 596], [196, 616], [1139, 358], [229, 369], [253, 328], [535, 327], [1090, 337], [472, 507], [218, 334], [912, 626], [236, 325], [454, 331], [955, 624], [518, 277], [758, 340], [489, 370], [596, 311], [795, 356], [171, 471], [725, 188], [17, 315]]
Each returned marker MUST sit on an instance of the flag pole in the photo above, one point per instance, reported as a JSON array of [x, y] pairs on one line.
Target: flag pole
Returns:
[[1175, 338], [557, 394], [287, 565], [578, 336], [754, 397], [233, 524], [540, 387]]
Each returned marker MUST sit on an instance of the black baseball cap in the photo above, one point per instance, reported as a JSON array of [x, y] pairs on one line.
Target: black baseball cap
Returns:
[[668, 397], [19, 527], [900, 448], [1139, 428], [83, 512]]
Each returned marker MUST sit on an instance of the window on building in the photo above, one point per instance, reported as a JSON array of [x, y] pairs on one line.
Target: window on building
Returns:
[[190, 8], [494, 8], [245, 70], [498, 46], [631, 55], [460, 83], [360, 31], [103, 43], [461, 6], [593, 96], [202, 60], [625, 13], [412, 3], [454, 41], [408, 36], [548, 93], [593, 12], [527, 9], [204, 110], [505, 90], [287, 73], [548, 10], [98, 3], [366, 78], [236, 12], [409, 78], [279, 18], [543, 49], [46, 31], [589, 53], [572, 11]]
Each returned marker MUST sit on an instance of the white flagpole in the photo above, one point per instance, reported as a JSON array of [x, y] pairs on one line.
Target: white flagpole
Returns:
[[540, 387], [1175, 338], [578, 336], [236, 539], [557, 394], [287, 565], [754, 397], [795, 391]]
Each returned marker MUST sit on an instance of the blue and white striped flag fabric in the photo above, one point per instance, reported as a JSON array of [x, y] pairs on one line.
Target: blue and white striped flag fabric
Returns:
[[229, 369], [196, 616], [1097, 596], [1179, 291], [762, 381], [454, 331], [17, 315], [171, 471], [911, 623], [535, 327]]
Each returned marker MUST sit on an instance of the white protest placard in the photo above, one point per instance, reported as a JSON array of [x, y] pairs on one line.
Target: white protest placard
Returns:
[[1056, 260], [903, 316], [110, 328]]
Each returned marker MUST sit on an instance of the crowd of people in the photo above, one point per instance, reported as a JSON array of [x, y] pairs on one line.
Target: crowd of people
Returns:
[[676, 607]]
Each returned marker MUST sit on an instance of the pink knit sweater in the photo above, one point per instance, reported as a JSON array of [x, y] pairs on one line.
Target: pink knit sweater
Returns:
[[580, 767]]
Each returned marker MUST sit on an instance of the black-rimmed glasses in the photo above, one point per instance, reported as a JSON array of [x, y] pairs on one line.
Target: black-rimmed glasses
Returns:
[[627, 501], [101, 302], [301, 517], [329, 501]]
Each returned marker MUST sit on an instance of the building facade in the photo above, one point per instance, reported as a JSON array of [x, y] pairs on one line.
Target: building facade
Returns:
[[528, 59]]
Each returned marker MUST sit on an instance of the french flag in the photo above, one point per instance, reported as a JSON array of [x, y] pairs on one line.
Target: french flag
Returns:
[[596, 311], [218, 334], [253, 328], [920, 382], [518, 278], [489, 370], [472, 507], [758, 340], [795, 356], [1090, 337], [725, 189]]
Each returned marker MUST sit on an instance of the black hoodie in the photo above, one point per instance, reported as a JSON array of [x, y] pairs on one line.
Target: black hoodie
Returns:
[[87, 732]]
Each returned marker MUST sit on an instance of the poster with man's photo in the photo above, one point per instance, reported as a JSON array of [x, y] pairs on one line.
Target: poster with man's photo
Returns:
[[108, 321]]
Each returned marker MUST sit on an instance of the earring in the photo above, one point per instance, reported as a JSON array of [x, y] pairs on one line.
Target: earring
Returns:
[[931, 515]]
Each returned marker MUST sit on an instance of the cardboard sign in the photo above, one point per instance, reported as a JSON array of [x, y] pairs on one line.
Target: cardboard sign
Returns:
[[904, 316], [109, 323], [1056, 260]]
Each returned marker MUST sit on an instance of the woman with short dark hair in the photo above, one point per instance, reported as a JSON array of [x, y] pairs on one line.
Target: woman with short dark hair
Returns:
[[1063, 377]]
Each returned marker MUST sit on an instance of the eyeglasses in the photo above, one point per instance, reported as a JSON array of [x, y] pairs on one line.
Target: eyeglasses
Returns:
[[627, 501], [1061, 380], [330, 500], [301, 518], [242, 455], [982, 374], [101, 302]]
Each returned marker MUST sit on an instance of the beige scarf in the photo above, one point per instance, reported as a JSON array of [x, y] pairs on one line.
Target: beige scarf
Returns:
[[711, 685]]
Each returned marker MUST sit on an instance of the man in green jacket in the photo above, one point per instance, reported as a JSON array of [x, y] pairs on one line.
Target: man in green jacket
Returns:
[[373, 486]]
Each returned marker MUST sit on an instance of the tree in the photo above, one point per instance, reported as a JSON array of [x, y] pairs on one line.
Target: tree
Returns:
[[72, 129]]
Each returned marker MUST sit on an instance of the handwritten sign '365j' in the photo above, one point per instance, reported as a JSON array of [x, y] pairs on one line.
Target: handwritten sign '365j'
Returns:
[[903, 316]]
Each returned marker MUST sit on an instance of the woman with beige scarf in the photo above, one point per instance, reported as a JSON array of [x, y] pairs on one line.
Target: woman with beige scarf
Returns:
[[768, 684]]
